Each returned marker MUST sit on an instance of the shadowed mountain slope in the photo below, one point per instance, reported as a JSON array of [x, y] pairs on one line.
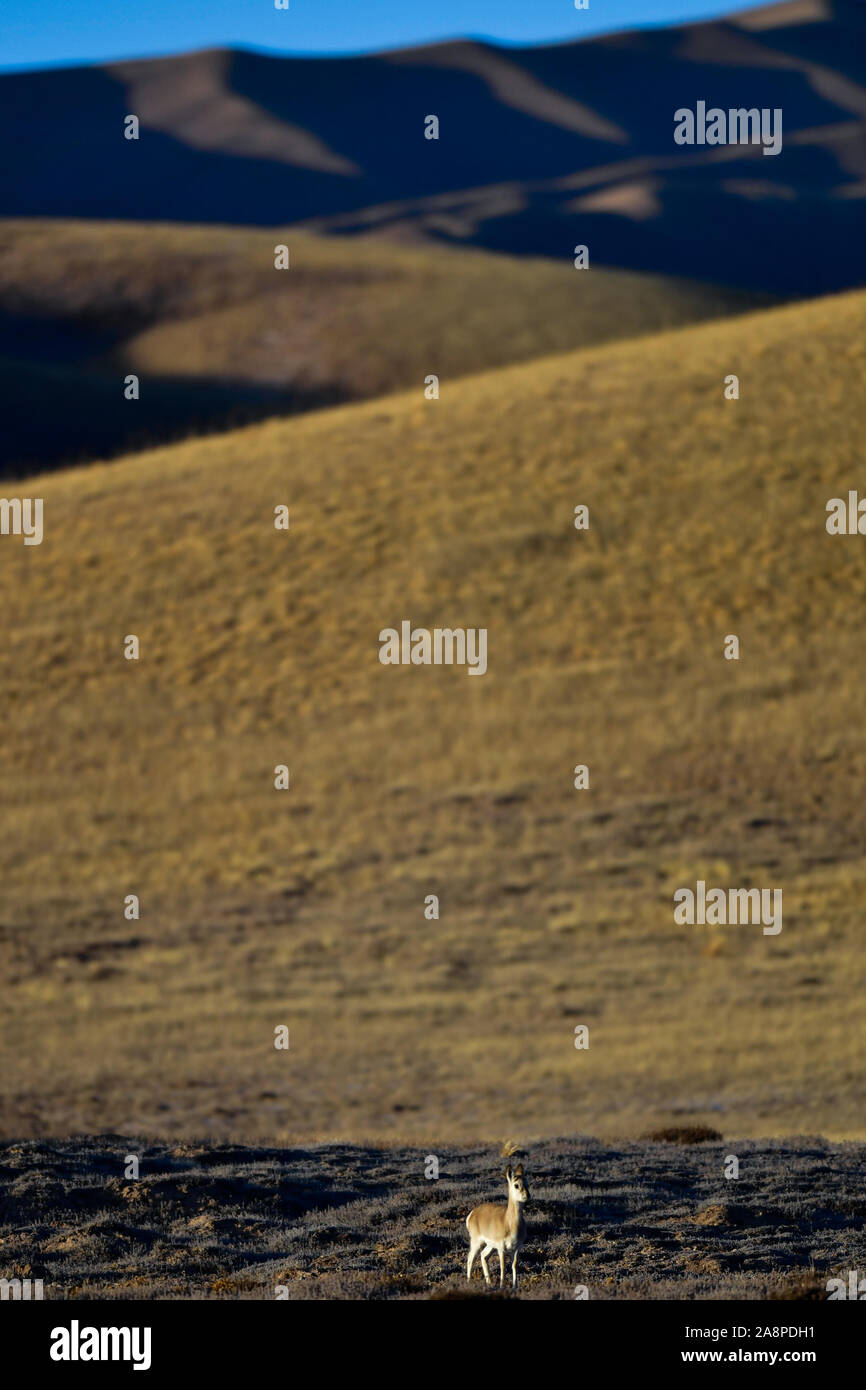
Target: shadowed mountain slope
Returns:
[[539, 147]]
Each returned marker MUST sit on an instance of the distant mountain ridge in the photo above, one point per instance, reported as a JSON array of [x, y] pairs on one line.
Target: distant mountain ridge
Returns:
[[539, 148]]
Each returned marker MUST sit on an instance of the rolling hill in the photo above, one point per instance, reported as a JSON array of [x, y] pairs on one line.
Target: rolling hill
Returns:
[[305, 908], [539, 148], [218, 336]]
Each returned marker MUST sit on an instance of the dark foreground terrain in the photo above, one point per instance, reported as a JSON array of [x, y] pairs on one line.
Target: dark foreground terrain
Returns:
[[630, 1220]]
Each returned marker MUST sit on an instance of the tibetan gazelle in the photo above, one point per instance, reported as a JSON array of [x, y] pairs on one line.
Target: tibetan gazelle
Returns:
[[499, 1228]]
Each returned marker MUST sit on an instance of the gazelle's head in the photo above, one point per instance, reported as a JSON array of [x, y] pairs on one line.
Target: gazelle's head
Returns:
[[516, 1186]]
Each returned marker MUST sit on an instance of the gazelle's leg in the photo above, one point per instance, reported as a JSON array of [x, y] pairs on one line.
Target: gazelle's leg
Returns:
[[501, 1265], [473, 1251], [514, 1268], [484, 1253]]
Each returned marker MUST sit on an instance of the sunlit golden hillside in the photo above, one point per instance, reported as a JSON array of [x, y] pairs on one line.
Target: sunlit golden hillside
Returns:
[[605, 647]]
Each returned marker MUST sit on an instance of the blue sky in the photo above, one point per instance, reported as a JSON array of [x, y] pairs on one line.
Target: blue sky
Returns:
[[34, 33]]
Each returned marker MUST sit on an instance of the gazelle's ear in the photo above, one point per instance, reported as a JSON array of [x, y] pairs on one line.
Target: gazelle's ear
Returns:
[[508, 1173], [518, 1172]]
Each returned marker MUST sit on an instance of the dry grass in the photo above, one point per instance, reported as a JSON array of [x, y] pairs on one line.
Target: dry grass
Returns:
[[307, 908]]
